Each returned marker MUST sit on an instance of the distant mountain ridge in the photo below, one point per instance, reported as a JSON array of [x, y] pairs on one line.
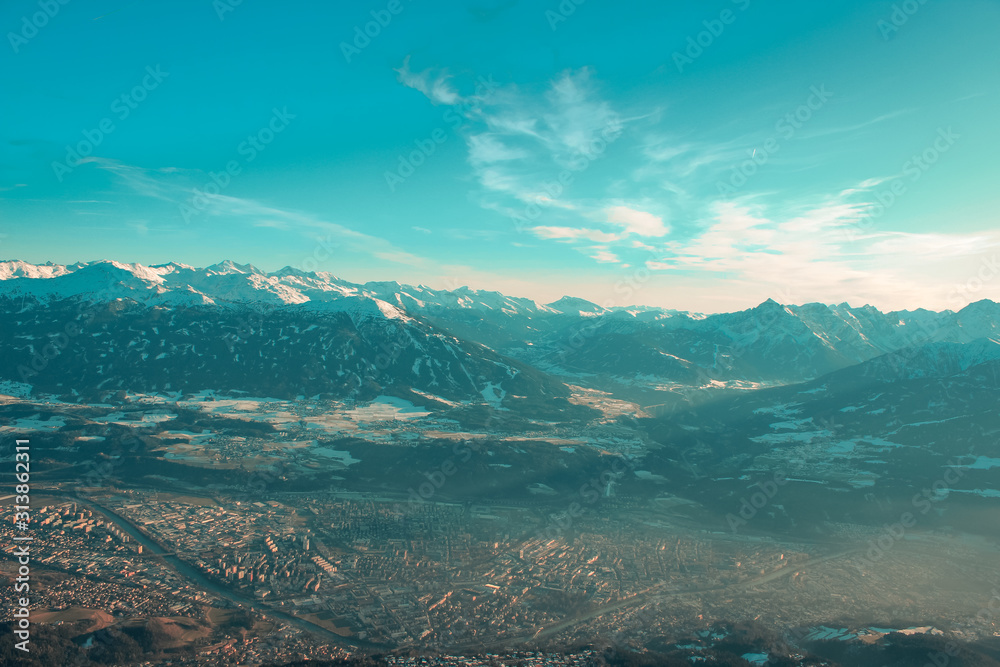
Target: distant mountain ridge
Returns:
[[229, 283], [637, 346]]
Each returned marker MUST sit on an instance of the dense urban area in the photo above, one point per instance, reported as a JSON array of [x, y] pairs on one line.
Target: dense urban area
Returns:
[[257, 576]]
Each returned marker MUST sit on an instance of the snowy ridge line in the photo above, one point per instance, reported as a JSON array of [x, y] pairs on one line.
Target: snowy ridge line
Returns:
[[226, 283]]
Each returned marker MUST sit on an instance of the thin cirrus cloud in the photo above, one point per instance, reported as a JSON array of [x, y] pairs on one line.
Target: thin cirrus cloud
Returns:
[[488, 148], [517, 142], [435, 85], [169, 185], [575, 234]]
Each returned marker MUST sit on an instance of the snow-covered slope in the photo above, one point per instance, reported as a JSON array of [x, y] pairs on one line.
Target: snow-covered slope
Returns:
[[223, 284]]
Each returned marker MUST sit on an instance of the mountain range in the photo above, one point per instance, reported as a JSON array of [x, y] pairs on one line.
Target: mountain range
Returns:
[[232, 326]]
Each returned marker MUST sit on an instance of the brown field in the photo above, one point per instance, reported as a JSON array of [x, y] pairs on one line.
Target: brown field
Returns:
[[184, 629], [99, 619], [264, 628], [181, 630], [329, 625], [219, 616]]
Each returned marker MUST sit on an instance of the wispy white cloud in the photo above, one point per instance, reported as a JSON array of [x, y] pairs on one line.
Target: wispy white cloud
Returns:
[[518, 142], [604, 256], [844, 129], [146, 182], [808, 257], [575, 234], [575, 116], [262, 215], [436, 85], [488, 148], [521, 144], [167, 184], [930, 246], [678, 159], [637, 222]]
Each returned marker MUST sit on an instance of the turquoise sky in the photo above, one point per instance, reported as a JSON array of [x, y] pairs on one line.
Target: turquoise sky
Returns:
[[703, 156]]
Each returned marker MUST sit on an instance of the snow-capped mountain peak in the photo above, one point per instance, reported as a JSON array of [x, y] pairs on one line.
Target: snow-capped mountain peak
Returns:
[[229, 266], [19, 269]]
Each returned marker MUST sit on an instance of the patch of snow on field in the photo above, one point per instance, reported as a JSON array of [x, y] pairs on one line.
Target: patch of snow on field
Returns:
[[790, 438], [330, 453], [985, 493], [387, 408], [493, 394], [33, 423], [981, 463], [785, 410], [15, 389]]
